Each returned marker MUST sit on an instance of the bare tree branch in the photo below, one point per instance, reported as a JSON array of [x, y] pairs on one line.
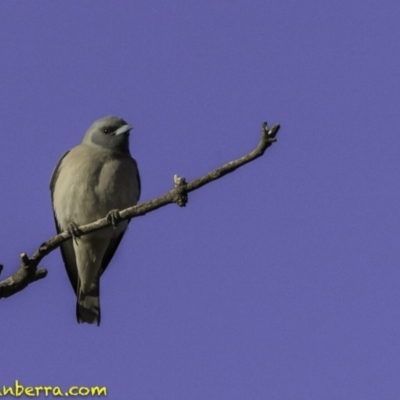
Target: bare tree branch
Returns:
[[28, 271]]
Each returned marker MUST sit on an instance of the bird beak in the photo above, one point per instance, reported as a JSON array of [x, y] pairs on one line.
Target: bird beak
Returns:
[[123, 129]]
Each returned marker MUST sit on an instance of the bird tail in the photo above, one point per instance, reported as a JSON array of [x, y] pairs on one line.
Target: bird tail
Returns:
[[88, 305]]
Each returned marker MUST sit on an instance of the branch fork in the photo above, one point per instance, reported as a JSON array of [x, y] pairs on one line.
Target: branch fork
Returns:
[[180, 195]]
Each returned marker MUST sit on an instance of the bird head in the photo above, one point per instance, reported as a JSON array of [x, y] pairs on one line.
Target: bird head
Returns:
[[110, 132]]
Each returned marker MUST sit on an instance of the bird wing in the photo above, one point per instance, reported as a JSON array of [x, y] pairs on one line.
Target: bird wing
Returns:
[[67, 248], [139, 184], [111, 249], [114, 242]]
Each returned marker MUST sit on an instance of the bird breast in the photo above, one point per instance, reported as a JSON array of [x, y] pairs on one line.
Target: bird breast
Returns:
[[90, 185]]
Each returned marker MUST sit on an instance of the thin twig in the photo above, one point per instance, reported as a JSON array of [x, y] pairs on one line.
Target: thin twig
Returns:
[[28, 271]]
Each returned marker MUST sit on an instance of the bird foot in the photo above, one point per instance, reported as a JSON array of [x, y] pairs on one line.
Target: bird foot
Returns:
[[74, 232], [114, 218]]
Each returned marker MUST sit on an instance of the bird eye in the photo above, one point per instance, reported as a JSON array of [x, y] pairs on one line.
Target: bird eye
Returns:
[[105, 130]]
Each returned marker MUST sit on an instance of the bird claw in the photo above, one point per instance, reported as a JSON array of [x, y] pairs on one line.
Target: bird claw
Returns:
[[74, 231], [114, 218]]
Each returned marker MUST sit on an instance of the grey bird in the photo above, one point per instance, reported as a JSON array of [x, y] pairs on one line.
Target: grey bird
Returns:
[[93, 180]]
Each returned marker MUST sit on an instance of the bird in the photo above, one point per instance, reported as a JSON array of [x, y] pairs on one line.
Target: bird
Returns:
[[91, 181]]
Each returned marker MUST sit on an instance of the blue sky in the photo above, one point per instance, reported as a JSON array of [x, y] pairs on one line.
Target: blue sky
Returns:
[[279, 281]]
